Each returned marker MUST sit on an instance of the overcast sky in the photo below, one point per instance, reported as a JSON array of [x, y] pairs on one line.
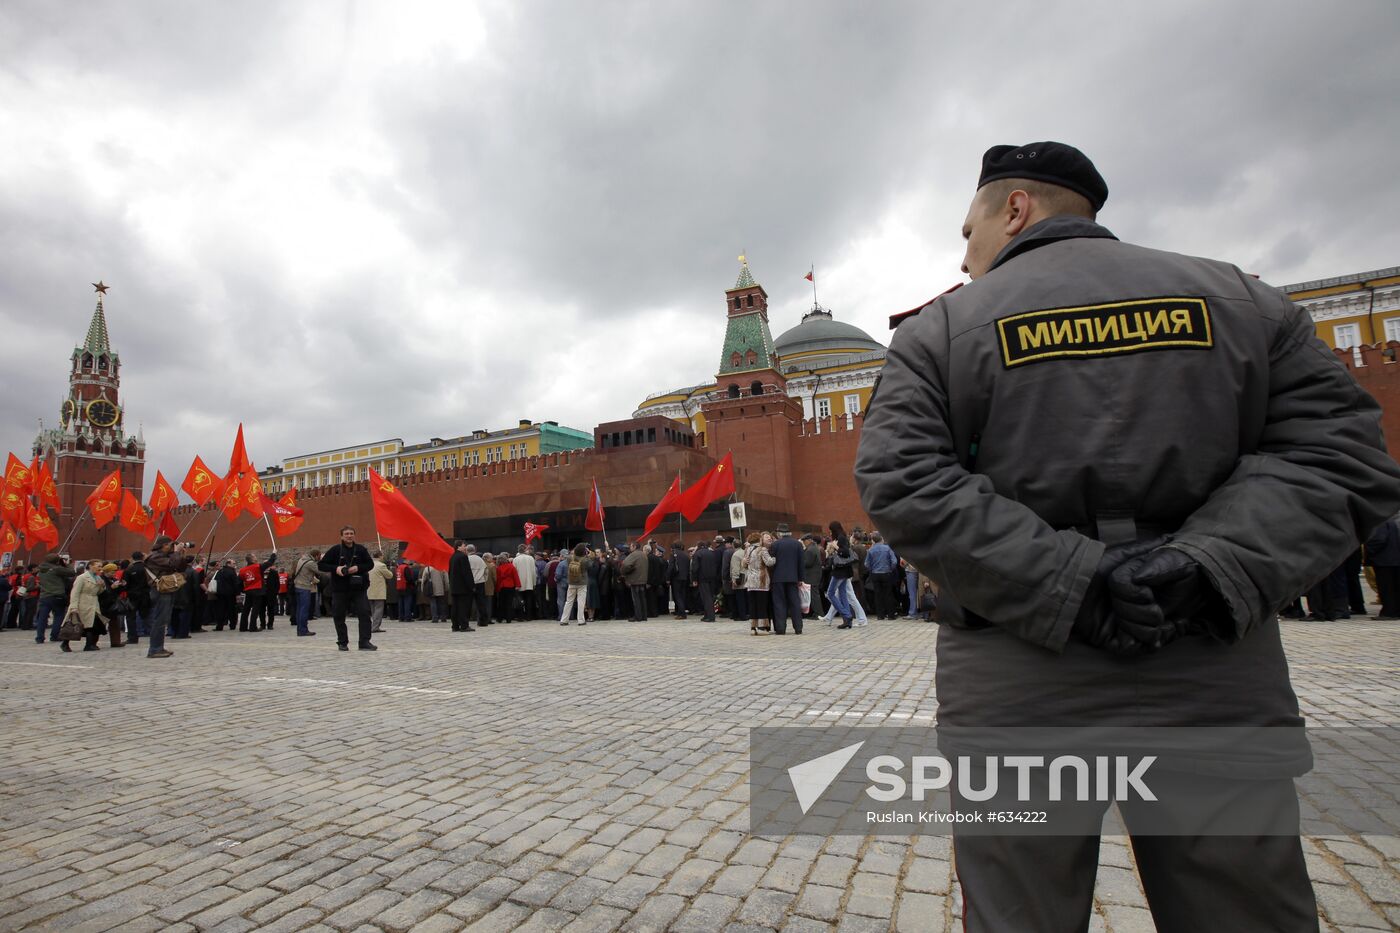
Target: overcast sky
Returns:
[[339, 222]]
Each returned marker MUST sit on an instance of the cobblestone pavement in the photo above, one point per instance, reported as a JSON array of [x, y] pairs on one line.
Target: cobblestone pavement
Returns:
[[526, 777]]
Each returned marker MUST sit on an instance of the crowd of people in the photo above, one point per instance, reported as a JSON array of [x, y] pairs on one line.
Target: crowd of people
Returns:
[[771, 580]]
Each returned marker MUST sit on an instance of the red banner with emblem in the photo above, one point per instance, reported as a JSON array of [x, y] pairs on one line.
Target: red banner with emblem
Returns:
[[133, 516], [39, 527], [44, 486], [9, 539], [716, 484], [396, 517], [286, 517], [163, 495], [106, 499], [201, 483]]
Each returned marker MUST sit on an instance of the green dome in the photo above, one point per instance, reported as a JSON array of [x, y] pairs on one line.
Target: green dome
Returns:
[[819, 331]]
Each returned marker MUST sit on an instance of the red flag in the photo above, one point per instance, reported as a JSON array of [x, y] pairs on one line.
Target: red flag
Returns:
[[17, 476], [231, 497], [715, 484], [8, 539], [166, 525], [533, 531], [593, 521], [12, 506], [39, 527], [133, 516], [669, 503], [811, 275], [201, 483], [44, 486], [286, 517], [163, 495], [251, 492], [396, 517], [289, 498], [238, 461], [106, 498]]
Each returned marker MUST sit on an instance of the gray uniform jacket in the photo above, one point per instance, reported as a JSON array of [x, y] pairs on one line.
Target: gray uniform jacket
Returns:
[[1084, 378]]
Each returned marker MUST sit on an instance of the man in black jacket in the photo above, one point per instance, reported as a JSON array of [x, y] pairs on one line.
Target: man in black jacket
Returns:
[[462, 585], [226, 585], [348, 564], [704, 568], [783, 580], [678, 575], [656, 580], [138, 590]]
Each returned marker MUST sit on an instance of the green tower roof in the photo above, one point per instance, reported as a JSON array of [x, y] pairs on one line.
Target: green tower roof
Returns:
[[747, 332], [97, 341]]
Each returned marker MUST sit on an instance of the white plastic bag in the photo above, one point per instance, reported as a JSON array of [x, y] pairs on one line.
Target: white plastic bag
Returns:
[[804, 592]]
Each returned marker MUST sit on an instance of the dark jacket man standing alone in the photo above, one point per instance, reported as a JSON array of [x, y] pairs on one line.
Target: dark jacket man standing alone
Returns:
[[348, 564]]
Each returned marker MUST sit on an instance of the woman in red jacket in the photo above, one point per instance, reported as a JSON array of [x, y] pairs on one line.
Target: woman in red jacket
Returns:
[[507, 584]]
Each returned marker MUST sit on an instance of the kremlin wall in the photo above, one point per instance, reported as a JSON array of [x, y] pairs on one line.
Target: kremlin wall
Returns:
[[789, 465]]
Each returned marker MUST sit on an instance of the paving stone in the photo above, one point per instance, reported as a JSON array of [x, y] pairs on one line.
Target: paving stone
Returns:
[[598, 919], [541, 889], [579, 894], [706, 913], [438, 923], [405, 914], [1122, 919], [630, 891], [656, 914], [920, 913], [196, 902], [1346, 908], [507, 918], [691, 877], [820, 902], [871, 895], [755, 852], [766, 908], [853, 923], [298, 919], [482, 899], [362, 910]]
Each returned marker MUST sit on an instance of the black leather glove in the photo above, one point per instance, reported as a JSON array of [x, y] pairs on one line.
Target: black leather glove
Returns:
[[1157, 597], [1094, 623]]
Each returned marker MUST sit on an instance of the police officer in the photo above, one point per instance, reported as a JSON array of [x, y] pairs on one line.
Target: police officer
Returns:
[[1117, 463]]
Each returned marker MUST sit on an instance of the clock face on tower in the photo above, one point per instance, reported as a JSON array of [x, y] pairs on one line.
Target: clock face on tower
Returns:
[[70, 408], [102, 413]]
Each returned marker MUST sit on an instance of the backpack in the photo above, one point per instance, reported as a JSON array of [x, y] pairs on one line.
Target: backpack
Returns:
[[576, 572]]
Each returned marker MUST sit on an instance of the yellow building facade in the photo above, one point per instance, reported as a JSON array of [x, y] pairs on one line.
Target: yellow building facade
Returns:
[[1351, 310], [392, 457]]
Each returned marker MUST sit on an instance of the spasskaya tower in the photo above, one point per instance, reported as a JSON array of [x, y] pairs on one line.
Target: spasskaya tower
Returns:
[[92, 439]]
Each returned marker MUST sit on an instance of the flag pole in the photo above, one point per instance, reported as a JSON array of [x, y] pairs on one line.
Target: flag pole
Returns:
[[812, 275], [235, 544], [72, 531], [272, 539]]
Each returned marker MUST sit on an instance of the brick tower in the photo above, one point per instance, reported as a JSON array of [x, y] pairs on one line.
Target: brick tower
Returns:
[[92, 441], [750, 412]]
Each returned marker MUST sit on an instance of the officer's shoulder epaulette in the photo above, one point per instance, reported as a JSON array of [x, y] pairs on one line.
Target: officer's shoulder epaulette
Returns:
[[897, 319]]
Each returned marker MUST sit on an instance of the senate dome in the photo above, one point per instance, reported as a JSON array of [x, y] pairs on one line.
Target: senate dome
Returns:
[[819, 338]]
